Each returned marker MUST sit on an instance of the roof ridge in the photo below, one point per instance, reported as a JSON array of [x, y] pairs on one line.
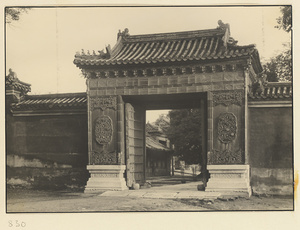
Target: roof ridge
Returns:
[[172, 35], [55, 95]]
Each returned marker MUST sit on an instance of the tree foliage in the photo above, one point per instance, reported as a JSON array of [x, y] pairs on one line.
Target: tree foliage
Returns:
[[163, 121], [285, 21], [280, 67], [184, 134], [13, 14]]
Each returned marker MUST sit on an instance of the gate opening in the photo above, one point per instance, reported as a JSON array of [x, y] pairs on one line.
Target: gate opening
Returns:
[[174, 146], [150, 154]]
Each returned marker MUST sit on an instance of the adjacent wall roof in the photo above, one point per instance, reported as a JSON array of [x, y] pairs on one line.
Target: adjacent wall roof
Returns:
[[200, 45], [49, 102], [78, 101], [273, 91]]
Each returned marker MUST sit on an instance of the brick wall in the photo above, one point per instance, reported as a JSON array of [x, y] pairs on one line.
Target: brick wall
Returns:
[[270, 141], [47, 151]]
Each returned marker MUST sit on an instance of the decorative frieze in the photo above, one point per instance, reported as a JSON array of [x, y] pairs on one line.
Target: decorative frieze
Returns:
[[228, 98], [106, 74], [145, 72], [105, 175], [213, 68], [104, 158], [193, 69], [154, 71], [225, 157], [226, 175], [98, 74], [227, 127], [223, 67], [183, 70], [233, 67], [103, 129], [173, 70], [164, 71], [159, 71], [103, 103]]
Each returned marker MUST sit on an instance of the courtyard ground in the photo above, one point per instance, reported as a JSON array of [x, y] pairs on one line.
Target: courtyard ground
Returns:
[[175, 197]]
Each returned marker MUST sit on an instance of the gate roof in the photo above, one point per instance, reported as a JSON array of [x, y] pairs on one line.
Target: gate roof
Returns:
[[200, 45]]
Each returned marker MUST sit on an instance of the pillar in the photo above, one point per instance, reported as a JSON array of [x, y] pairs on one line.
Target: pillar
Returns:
[[105, 143], [226, 143]]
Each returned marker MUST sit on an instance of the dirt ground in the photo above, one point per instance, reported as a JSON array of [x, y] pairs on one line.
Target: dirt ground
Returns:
[[19, 201]]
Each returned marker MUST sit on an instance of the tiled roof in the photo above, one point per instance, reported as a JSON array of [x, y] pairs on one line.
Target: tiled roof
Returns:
[[273, 91], [13, 83], [52, 102], [214, 44], [152, 143]]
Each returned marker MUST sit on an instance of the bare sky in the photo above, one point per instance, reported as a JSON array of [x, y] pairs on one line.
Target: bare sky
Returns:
[[40, 47]]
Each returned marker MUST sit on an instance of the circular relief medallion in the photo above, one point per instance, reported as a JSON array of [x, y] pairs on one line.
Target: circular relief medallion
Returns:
[[103, 129], [227, 127]]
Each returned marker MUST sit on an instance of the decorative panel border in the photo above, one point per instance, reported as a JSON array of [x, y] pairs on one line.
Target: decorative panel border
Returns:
[[103, 103], [227, 98]]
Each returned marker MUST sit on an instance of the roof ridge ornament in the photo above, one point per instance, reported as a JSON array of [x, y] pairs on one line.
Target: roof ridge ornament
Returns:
[[226, 36], [125, 33], [223, 26], [12, 74], [108, 51], [12, 82], [227, 40]]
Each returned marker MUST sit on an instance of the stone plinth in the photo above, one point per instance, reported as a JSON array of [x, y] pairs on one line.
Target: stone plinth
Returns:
[[105, 177], [229, 179]]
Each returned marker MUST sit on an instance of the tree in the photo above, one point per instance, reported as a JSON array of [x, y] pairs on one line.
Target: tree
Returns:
[[285, 21], [280, 67], [13, 14], [184, 133], [163, 122]]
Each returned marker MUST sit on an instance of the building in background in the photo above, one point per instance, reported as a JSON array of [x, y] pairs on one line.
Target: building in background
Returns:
[[158, 151]]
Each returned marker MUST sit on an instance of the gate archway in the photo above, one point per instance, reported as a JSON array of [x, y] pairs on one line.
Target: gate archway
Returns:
[[150, 70]]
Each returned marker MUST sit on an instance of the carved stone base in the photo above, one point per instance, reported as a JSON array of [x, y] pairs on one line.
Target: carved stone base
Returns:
[[105, 177], [229, 179]]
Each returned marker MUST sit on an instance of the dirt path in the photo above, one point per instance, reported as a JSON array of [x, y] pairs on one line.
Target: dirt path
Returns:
[[79, 202], [46, 201]]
